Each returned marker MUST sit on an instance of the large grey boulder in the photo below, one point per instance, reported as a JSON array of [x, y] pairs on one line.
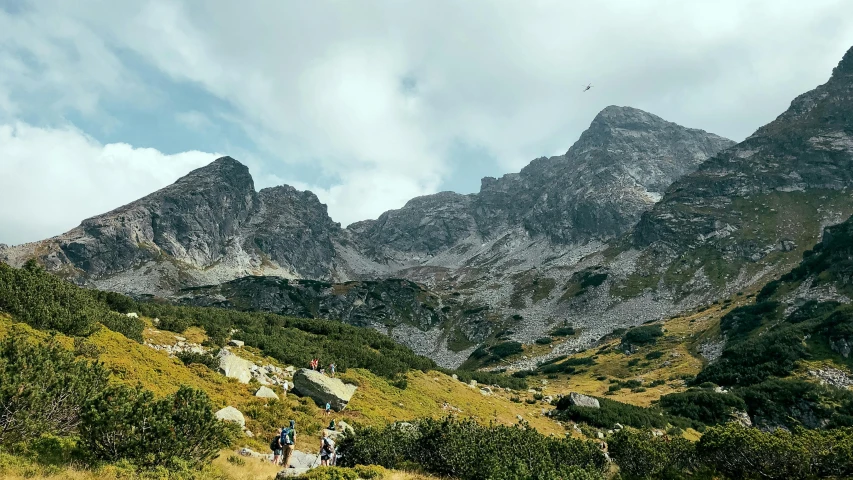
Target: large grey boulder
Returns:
[[266, 392], [301, 462], [578, 400], [232, 366], [231, 414], [322, 389]]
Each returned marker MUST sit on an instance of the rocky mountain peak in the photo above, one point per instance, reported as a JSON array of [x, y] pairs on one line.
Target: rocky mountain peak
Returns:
[[845, 66], [615, 116], [225, 170]]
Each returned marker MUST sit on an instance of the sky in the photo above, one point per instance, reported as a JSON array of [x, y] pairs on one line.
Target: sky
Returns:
[[367, 103]]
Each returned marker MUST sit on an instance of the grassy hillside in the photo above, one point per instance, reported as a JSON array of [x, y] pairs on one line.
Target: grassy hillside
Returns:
[[400, 386]]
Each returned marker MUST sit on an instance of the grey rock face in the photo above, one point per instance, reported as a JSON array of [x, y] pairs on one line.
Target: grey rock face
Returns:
[[322, 389], [426, 225], [807, 148], [832, 376], [580, 400], [618, 169], [389, 302], [209, 226]]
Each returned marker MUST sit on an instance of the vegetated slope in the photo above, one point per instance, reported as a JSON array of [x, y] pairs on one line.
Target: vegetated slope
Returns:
[[390, 387], [778, 356], [787, 356], [400, 308], [743, 215]]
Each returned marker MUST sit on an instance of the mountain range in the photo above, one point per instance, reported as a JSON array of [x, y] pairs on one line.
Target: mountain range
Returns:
[[639, 220]]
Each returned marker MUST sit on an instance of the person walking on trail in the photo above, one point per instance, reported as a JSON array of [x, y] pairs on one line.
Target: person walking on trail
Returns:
[[328, 408], [288, 438], [327, 450], [332, 367], [276, 447]]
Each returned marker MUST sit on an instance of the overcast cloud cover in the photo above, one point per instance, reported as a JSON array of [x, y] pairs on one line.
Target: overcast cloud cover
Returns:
[[367, 103]]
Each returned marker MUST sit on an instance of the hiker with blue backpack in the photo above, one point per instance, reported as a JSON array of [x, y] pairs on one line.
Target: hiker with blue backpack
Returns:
[[287, 440]]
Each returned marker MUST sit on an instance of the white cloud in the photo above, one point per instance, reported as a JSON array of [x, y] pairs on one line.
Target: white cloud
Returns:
[[194, 120], [52, 178], [319, 84]]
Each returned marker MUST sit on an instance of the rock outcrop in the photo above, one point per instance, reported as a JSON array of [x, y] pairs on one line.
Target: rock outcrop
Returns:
[[266, 392], [208, 227], [233, 366], [231, 414], [579, 400], [619, 168], [322, 389]]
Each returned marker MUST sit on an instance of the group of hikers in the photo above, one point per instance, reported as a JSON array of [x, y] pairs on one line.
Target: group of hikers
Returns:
[[315, 364], [282, 446]]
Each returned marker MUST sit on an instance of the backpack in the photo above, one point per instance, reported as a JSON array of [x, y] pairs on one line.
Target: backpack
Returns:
[[286, 439], [274, 443], [327, 446]]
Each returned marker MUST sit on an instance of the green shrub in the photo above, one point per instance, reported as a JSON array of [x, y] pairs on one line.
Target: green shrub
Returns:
[[563, 332], [126, 423], [330, 473], [449, 447], [33, 296], [180, 325], [747, 318], [755, 359], [43, 389], [580, 361], [49, 450], [640, 455], [506, 349], [644, 335], [205, 359], [554, 360], [793, 402], [704, 406], [654, 355], [129, 327], [748, 453], [612, 412], [368, 472], [544, 341]]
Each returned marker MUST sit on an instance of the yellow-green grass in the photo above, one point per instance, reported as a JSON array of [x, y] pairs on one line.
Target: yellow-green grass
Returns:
[[375, 402], [13, 467]]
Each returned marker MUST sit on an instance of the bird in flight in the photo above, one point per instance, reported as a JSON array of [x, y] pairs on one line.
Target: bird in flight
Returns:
[[587, 87]]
